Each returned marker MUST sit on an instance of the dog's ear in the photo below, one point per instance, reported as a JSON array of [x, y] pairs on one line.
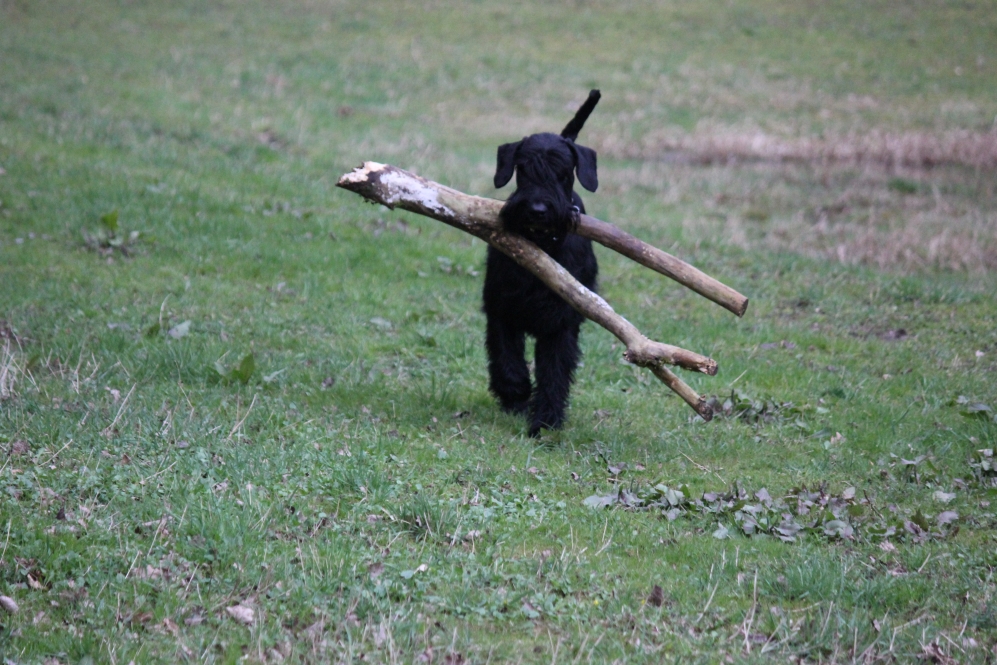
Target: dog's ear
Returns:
[[506, 163], [585, 166]]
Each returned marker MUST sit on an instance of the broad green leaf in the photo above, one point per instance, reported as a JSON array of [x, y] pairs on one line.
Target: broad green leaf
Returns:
[[855, 510], [110, 221], [245, 369]]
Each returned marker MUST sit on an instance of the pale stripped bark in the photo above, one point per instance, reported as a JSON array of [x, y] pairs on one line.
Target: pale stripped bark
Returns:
[[397, 188]]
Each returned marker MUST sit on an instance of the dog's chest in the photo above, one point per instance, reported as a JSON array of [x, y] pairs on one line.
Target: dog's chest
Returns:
[[519, 295]]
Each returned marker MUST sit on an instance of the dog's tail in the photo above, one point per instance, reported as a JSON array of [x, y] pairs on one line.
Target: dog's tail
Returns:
[[572, 129]]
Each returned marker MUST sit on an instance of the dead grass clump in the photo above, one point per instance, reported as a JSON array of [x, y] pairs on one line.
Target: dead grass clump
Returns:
[[906, 220], [905, 149], [918, 245], [911, 241], [10, 370]]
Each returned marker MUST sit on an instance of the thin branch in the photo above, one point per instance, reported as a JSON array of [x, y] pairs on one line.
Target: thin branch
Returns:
[[651, 257]]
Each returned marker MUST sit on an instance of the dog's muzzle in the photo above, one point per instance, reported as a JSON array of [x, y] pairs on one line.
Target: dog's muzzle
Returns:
[[540, 227]]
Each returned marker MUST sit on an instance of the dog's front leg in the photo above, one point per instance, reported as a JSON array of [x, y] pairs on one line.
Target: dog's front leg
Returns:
[[509, 375], [557, 356]]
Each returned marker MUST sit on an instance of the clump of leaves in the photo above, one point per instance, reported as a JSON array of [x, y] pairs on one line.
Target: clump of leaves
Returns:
[[110, 237], [802, 511], [241, 372], [749, 409], [921, 470], [984, 467], [972, 409]]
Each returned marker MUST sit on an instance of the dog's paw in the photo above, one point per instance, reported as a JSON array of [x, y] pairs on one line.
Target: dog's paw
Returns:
[[517, 408], [538, 426]]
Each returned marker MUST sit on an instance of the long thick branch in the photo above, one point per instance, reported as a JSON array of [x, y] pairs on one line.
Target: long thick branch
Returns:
[[394, 187]]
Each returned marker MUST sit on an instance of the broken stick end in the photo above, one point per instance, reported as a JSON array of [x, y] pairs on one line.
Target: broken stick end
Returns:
[[359, 175], [364, 180], [704, 410], [740, 308]]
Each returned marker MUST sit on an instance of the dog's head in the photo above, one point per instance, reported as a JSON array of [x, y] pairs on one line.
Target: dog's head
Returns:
[[545, 166]]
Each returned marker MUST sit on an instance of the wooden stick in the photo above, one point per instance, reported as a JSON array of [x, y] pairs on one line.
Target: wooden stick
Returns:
[[663, 262], [394, 187], [620, 241]]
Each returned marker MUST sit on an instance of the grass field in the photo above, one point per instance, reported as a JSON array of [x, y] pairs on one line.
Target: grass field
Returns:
[[226, 384]]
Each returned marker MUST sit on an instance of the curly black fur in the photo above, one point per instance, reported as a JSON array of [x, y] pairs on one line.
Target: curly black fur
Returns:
[[516, 304]]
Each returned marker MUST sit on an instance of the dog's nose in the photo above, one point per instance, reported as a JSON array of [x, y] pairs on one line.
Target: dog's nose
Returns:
[[539, 209]]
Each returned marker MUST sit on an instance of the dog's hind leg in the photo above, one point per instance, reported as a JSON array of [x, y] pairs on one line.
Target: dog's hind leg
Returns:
[[509, 375], [556, 358]]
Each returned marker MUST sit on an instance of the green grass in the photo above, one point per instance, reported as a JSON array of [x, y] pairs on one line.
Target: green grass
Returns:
[[361, 491]]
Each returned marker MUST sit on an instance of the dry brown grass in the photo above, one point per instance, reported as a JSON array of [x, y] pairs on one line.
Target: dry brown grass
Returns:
[[10, 370], [890, 149], [904, 220], [815, 178], [923, 241]]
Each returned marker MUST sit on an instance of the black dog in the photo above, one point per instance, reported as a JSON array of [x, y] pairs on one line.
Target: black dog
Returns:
[[543, 209]]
